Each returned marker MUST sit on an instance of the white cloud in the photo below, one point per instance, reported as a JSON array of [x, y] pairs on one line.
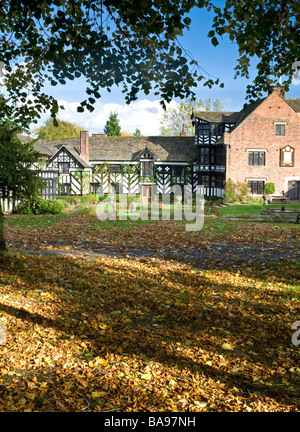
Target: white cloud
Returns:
[[143, 114]]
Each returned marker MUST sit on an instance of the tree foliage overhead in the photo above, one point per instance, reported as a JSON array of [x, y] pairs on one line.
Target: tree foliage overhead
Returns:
[[267, 30], [63, 129], [176, 116], [134, 45], [108, 42]]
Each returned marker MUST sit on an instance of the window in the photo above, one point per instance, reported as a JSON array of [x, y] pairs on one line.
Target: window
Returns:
[[177, 175], [280, 129], [204, 155], [287, 156], [115, 169], [203, 129], [147, 168], [257, 158], [177, 171], [256, 186], [63, 167]]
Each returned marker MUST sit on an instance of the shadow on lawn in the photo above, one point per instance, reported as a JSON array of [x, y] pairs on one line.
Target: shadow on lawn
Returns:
[[165, 314]]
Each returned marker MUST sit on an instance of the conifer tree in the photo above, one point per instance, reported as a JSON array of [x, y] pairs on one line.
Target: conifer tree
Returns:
[[112, 127], [19, 171]]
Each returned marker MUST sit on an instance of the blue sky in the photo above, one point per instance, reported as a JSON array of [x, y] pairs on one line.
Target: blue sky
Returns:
[[145, 113]]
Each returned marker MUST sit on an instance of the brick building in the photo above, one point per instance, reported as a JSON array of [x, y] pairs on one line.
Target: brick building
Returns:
[[259, 144]]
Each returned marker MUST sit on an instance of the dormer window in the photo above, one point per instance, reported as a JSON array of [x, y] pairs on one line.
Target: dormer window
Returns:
[[147, 168], [147, 158], [287, 156]]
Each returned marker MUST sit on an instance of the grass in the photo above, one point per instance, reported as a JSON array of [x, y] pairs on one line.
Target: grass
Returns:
[[252, 210]]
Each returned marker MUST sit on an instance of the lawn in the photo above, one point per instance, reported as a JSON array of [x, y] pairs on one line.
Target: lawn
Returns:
[[251, 210], [113, 332]]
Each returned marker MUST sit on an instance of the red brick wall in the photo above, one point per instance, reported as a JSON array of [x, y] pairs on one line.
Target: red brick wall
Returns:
[[257, 131]]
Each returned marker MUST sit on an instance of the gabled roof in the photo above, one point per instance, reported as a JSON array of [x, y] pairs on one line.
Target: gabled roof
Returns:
[[238, 117], [73, 153], [119, 149], [146, 154]]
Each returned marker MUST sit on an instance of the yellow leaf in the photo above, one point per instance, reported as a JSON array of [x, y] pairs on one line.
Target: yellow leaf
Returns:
[[30, 396], [98, 394], [226, 346], [146, 376]]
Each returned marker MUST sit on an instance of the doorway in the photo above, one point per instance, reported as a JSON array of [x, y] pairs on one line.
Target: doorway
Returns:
[[294, 190], [146, 194]]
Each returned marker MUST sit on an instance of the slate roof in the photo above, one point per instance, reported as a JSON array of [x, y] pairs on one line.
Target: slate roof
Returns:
[[125, 149], [218, 117], [226, 116], [294, 103], [237, 117]]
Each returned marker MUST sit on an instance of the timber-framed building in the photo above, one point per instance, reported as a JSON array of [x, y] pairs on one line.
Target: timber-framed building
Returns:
[[259, 144]]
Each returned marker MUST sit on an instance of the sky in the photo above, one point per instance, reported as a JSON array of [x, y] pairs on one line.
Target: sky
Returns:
[[145, 113]]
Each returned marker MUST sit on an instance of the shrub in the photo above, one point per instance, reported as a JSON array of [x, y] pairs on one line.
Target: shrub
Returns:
[[37, 205], [229, 192], [50, 207], [235, 192], [269, 188], [24, 208]]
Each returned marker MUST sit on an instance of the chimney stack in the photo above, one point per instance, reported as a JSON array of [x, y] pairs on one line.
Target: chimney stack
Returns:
[[278, 89], [183, 133], [84, 145]]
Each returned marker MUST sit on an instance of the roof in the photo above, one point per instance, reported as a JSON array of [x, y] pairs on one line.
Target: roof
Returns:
[[218, 117], [294, 103], [125, 149], [237, 117]]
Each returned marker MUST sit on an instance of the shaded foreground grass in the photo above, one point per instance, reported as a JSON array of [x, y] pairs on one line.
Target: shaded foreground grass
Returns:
[[147, 335]]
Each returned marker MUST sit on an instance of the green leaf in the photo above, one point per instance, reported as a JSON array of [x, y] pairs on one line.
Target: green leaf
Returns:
[[214, 41]]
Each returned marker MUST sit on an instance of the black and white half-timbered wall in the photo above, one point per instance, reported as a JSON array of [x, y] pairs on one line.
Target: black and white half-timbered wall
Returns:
[[96, 164]]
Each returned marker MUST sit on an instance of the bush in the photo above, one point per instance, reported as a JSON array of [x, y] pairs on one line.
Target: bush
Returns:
[[269, 188], [38, 205], [25, 208], [235, 192], [50, 207]]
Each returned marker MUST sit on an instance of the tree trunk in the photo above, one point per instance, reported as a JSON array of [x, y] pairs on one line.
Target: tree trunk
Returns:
[[3, 248]]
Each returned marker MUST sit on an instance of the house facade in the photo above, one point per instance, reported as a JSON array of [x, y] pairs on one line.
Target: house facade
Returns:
[[259, 144], [256, 145], [97, 163]]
